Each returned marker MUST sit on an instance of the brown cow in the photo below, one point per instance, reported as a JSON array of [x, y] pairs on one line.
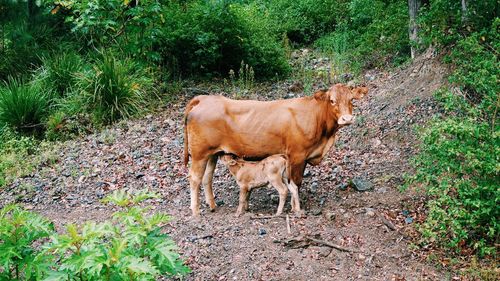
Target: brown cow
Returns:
[[302, 128], [251, 174]]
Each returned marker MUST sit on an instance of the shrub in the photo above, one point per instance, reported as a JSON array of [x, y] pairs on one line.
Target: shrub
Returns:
[[375, 34], [21, 232], [58, 71], [112, 89], [459, 158], [213, 37], [306, 20], [23, 106], [128, 247]]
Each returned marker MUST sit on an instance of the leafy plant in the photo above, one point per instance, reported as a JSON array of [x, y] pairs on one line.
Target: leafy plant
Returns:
[[113, 89], [21, 233], [23, 105], [130, 247], [58, 71], [459, 159]]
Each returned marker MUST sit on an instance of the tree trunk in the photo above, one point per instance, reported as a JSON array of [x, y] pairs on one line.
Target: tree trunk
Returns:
[[413, 6], [464, 11]]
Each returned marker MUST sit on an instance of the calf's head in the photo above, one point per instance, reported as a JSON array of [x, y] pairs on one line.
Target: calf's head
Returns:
[[232, 163], [340, 98]]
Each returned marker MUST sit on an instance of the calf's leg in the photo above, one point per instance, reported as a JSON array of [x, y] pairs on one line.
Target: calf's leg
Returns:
[[195, 176], [243, 202], [207, 182], [295, 202], [277, 182]]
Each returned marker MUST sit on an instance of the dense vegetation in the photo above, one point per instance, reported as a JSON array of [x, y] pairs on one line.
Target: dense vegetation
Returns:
[[128, 247], [68, 67]]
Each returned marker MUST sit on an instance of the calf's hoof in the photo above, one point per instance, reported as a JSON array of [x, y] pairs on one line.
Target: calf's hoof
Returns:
[[300, 213]]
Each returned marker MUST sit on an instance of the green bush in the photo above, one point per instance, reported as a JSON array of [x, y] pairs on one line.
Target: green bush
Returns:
[[306, 20], [128, 247], [459, 158], [113, 89], [23, 106], [58, 71], [203, 37], [374, 34], [21, 232]]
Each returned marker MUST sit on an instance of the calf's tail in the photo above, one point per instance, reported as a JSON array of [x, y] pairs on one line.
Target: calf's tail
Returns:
[[189, 107]]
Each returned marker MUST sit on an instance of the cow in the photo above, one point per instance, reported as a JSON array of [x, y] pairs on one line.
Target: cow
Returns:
[[253, 174], [303, 129]]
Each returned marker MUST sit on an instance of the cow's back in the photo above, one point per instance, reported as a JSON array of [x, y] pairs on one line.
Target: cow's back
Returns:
[[248, 128]]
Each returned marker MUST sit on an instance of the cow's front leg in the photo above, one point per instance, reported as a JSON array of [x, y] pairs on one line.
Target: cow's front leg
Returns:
[[208, 180], [195, 176]]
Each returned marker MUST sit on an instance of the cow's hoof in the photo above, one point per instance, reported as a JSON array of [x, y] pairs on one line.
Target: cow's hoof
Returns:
[[238, 214], [196, 218], [212, 210]]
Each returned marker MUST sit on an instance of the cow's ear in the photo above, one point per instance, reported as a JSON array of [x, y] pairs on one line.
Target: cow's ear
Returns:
[[231, 162], [320, 95], [359, 92]]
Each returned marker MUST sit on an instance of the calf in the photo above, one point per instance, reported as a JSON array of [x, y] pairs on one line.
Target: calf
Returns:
[[251, 175]]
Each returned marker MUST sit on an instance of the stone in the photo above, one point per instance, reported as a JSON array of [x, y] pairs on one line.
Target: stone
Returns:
[[361, 184]]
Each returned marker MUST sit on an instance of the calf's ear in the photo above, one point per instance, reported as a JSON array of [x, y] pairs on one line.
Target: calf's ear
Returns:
[[320, 95], [359, 92]]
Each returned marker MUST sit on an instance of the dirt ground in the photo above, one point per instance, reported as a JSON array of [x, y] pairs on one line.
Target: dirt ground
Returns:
[[377, 224]]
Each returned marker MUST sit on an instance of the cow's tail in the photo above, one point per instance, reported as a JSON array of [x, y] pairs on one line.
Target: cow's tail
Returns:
[[189, 107]]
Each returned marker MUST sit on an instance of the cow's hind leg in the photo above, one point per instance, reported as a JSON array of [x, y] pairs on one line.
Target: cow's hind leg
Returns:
[[208, 180], [196, 173]]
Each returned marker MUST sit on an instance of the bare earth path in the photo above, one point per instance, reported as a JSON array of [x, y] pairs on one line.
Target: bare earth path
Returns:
[[378, 222]]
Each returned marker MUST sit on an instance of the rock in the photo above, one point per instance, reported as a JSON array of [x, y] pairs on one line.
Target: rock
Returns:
[[262, 231], [370, 212], [314, 187], [361, 257], [219, 202], [361, 184], [330, 216], [382, 190], [343, 186], [409, 220], [296, 87], [307, 173], [316, 211], [139, 175]]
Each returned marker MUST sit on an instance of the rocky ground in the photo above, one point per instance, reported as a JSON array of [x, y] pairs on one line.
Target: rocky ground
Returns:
[[373, 154]]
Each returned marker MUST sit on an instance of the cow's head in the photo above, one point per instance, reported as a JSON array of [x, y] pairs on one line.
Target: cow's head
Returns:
[[340, 98]]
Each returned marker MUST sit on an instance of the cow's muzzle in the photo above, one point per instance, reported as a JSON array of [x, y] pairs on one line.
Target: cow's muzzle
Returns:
[[346, 119]]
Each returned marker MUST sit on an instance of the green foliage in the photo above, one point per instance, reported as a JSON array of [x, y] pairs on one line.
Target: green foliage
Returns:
[[306, 20], [113, 89], [23, 106], [128, 247], [215, 36], [459, 158], [443, 22], [14, 152], [20, 235], [373, 34], [58, 71]]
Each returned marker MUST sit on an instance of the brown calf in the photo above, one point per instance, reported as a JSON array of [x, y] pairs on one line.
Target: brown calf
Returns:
[[251, 175]]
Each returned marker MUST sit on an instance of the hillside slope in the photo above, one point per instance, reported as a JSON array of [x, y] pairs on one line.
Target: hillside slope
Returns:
[[374, 152]]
